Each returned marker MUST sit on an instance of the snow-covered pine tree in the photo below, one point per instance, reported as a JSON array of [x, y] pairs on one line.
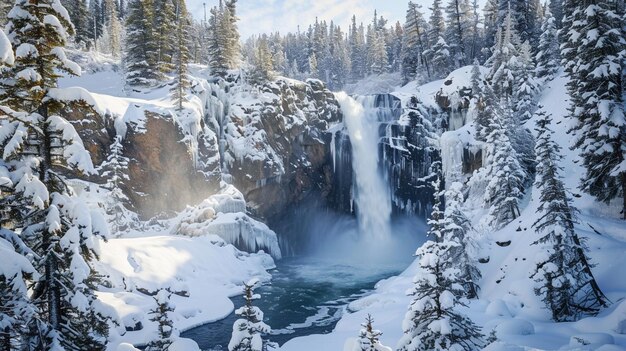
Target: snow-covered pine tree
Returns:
[[556, 10], [504, 175], [504, 59], [477, 81], [432, 324], [548, 55], [596, 42], [488, 110], [357, 51], [565, 280], [162, 316], [340, 57], [37, 142], [224, 49], [526, 86], [437, 22], [457, 229], [113, 169], [369, 338], [165, 31], [79, 14], [379, 59], [112, 31], [415, 42], [16, 310], [248, 330], [459, 23], [263, 69], [441, 60], [96, 22], [181, 56], [313, 71], [141, 56]]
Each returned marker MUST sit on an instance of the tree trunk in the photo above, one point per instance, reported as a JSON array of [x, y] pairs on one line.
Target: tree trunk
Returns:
[[624, 195]]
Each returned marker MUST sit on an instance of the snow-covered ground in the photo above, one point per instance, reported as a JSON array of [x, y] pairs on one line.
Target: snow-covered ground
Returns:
[[507, 302]]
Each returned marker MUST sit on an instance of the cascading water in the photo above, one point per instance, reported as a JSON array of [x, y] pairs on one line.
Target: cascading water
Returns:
[[361, 119]]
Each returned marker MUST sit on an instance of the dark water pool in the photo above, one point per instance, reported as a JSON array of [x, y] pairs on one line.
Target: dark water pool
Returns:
[[306, 296]]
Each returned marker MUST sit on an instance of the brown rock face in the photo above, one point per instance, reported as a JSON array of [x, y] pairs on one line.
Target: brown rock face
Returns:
[[294, 141], [95, 130], [162, 173]]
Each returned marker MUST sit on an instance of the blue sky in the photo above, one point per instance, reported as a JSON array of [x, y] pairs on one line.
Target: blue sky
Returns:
[[264, 16]]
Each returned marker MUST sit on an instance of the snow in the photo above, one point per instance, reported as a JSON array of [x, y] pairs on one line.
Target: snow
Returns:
[[223, 215], [203, 269], [182, 344], [6, 51], [11, 263], [25, 50]]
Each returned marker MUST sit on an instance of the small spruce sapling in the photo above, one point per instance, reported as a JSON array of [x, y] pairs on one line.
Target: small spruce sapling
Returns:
[[248, 330]]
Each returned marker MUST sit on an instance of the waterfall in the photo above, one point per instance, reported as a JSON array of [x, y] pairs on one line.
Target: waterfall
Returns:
[[371, 192]]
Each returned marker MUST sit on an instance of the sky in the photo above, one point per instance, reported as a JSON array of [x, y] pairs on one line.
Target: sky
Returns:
[[265, 16]]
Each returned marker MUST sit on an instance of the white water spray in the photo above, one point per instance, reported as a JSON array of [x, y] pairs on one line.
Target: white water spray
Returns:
[[371, 192]]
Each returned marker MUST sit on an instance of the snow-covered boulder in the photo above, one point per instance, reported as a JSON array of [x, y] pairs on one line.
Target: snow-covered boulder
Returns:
[[182, 344], [224, 215], [126, 347]]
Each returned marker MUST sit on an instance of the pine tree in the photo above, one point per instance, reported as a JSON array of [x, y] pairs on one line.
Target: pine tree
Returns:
[[477, 81], [566, 283], [548, 55], [165, 31], [441, 60], [457, 230], [37, 141], [556, 9], [142, 68], [596, 42], [313, 72], [96, 22], [80, 16], [224, 49], [248, 330], [162, 316], [111, 40], [379, 58], [369, 338], [526, 87], [16, 310], [504, 60], [113, 169], [505, 177], [415, 44], [432, 324], [459, 23], [357, 51], [181, 56], [437, 22], [263, 70]]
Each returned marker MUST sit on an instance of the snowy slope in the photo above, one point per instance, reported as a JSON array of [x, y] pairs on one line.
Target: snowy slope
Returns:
[[507, 302]]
